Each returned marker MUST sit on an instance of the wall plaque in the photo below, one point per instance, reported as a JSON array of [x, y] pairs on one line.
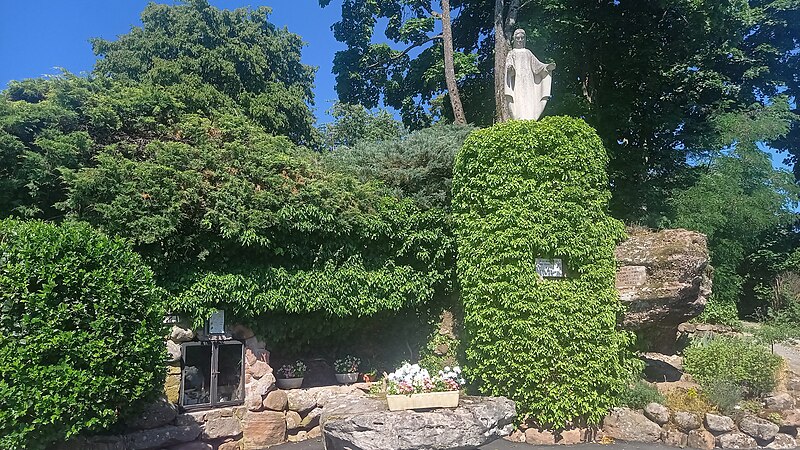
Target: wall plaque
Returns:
[[216, 323], [631, 276], [550, 268]]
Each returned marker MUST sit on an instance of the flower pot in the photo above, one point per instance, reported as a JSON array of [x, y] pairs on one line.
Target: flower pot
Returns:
[[289, 383], [347, 378], [448, 399]]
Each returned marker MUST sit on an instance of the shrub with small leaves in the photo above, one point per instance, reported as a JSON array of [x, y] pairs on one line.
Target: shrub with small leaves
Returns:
[[740, 362], [639, 394], [524, 190], [80, 333], [296, 370]]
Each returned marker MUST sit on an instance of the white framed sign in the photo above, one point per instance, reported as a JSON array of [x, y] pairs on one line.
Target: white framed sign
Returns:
[[550, 268], [216, 323]]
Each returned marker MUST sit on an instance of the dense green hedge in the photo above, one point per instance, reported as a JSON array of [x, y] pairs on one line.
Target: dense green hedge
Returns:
[[80, 332], [524, 190]]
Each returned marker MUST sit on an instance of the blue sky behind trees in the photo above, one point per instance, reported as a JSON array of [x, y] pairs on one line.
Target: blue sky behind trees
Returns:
[[39, 36]]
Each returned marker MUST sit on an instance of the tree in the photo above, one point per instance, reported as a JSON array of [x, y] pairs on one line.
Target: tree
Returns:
[[368, 72], [649, 77], [354, 123], [213, 58], [737, 199]]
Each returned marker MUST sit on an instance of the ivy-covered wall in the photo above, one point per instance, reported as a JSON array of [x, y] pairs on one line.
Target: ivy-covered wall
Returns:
[[524, 190]]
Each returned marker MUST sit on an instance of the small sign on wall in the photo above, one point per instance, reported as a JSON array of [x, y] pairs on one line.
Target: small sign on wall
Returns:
[[550, 268], [216, 323]]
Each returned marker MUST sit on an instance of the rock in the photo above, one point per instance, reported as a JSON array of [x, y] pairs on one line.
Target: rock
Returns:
[[263, 386], [229, 445], [157, 438], [536, 437], [222, 427], [196, 445], [570, 437], [791, 418], [783, 441], [365, 423], [173, 351], [259, 369], [262, 429], [701, 439], [664, 279], [241, 332], [253, 402], [276, 400], [156, 414], [629, 425], [314, 432], [662, 368], [191, 418], [656, 412], [687, 421], [515, 436], [180, 334], [293, 420], [172, 388], [719, 424], [736, 440], [675, 438], [312, 419], [758, 428], [301, 400], [300, 436], [779, 402]]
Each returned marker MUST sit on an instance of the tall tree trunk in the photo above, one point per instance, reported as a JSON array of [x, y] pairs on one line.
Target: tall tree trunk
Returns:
[[500, 51], [449, 68]]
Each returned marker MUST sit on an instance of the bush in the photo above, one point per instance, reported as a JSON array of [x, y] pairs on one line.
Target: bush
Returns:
[[689, 400], [731, 359], [725, 395], [80, 332], [524, 190], [639, 394]]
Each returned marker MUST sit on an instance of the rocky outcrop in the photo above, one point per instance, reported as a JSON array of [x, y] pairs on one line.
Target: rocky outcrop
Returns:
[[664, 279], [366, 424]]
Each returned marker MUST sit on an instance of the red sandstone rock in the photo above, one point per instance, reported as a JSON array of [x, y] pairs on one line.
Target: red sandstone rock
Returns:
[[262, 429]]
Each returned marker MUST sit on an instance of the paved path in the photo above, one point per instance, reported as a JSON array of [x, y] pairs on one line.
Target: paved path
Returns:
[[502, 444], [791, 353]]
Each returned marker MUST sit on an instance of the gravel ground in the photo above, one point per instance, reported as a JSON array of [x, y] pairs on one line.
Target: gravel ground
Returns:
[[791, 353]]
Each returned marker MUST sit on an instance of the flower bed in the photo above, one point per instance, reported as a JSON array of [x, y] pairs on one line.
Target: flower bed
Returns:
[[412, 387]]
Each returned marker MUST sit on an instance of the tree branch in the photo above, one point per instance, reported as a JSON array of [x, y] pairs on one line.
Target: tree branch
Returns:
[[404, 52]]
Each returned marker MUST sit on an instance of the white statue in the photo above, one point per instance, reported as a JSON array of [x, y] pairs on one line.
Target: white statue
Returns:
[[528, 81]]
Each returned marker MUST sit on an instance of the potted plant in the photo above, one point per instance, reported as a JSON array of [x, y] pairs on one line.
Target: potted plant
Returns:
[[411, 387], [371, 376], [347, 369], [290, 376]]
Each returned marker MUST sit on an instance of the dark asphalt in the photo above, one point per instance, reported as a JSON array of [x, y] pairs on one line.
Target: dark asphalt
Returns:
[[502, 444]]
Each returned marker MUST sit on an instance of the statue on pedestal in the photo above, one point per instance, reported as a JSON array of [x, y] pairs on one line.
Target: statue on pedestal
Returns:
[[528, 81]]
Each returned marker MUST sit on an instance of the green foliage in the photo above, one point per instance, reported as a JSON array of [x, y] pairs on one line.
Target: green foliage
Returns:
[[725, 395], [639, 394], [354, 123], [525, 190], [734, 203], [689, 400], [407, 72], [210, 58], [80, 332], [730, 359], [418, 166]]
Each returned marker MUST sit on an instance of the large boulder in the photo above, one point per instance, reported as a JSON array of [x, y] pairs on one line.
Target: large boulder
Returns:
[[664, 279], [366, 424], [628, 425], [156, 414]]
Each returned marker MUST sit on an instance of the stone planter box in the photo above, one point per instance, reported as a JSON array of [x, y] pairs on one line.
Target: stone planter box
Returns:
[[347, 378], [447, 399], [289, 383]]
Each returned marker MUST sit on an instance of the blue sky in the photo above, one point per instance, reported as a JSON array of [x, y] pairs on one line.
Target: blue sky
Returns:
[[37, 36]]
